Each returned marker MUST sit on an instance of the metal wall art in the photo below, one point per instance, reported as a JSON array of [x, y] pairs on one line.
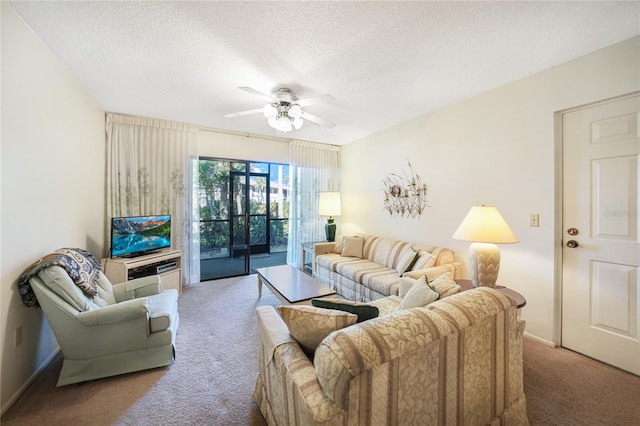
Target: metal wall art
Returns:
[[406, 195]]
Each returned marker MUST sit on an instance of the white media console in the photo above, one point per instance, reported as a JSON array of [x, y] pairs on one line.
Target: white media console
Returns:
[[166, 263]]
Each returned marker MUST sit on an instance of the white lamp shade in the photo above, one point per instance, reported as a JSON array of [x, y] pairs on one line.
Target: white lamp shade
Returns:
[[329, 204], [485, 224]]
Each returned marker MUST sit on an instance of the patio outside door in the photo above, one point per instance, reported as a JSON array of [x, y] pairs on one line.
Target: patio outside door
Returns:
[[243, 217]]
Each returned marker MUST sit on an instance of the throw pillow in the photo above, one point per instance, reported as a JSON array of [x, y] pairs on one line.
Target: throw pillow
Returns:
[[420, 295], [407, 259], [337, 247], [352, 246], [405, 285], [445, 285], [421, 262], [363, 311], [309, 325]]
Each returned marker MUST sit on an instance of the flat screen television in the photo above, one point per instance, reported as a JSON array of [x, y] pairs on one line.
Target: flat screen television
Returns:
[[137, 235]]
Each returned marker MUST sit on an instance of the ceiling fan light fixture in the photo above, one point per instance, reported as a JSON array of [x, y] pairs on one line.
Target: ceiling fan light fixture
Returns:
[[295, 111], [283, 123], [270, 111], [283, 109]]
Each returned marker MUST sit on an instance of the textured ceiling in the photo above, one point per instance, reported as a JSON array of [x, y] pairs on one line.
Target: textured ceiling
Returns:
[[383, 62]]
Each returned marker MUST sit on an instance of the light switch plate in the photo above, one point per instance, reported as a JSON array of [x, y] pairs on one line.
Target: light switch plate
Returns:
[[534, 220]]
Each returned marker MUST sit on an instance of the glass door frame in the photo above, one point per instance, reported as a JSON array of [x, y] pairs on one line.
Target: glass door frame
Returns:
[[254, 213]]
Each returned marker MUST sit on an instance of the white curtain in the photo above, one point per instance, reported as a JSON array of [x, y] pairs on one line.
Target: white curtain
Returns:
[[314, 168], [151, 167]]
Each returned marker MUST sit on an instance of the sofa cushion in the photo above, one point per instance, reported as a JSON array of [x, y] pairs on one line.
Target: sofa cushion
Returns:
[[363, 311], [384, 251], [384, 282], [386, 305], [419, 295], [445, 285], [440, 255], [424, 260], [309, 325], [405, 285], [352, 246], [331, 261], [356, 270], [406, 261]]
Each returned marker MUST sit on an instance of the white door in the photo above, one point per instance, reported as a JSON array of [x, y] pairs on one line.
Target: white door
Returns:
[[600, 287]]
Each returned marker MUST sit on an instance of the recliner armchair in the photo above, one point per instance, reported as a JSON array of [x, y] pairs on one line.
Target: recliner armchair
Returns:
[[126, 327]]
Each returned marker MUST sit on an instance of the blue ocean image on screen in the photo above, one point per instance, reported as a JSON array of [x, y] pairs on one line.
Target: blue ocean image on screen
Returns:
[[140, 234], [135, 243]]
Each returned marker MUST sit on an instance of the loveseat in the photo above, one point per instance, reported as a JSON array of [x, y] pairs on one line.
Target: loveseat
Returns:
[[368, 267], [457, 361]]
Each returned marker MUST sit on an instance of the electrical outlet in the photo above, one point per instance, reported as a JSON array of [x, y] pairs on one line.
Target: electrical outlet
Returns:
[[17, 337], [534, 219]]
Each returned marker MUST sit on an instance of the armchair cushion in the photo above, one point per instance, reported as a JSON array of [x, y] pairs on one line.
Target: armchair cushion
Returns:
[[139, 287], [117, 313]]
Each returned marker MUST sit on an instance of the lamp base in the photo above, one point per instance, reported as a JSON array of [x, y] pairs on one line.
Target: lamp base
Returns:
[[330, 230], [484, 264]]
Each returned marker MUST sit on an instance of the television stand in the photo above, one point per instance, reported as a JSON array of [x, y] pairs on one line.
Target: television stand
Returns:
[[166, 263]]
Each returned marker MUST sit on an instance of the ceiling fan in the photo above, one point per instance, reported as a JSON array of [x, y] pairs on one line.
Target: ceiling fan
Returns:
[[284, 110]]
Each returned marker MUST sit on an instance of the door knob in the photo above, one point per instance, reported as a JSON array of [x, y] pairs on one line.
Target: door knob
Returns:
[[572, 231], [572, 244]]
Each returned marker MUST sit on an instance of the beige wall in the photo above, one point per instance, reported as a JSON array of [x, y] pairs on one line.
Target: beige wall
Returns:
[[53, 186], [496, 148]]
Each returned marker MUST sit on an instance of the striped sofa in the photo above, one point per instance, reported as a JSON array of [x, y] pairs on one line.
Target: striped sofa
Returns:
[[374, 275], [457, 361]]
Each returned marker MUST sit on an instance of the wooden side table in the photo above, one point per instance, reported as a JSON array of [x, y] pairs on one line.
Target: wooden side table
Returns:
[[308, 258], [520, 300]]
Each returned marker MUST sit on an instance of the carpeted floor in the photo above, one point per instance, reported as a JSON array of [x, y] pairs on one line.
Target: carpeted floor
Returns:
[[212, 379]]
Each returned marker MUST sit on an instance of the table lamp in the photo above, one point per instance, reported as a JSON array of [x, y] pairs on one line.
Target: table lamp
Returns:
[[329, 205], [485, 226]]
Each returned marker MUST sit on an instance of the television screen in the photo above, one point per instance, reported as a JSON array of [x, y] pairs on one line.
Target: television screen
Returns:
[[137, 235]]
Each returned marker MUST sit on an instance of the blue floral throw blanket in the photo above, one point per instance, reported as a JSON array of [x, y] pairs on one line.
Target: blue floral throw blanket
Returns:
[[82, 267]]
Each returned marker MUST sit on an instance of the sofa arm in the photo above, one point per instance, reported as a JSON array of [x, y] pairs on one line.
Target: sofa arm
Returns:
[[139, 287], [273, 332], [323, 248], [283, 364], [112, 314]]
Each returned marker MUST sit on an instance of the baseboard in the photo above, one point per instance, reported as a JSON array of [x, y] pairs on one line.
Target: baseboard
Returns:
[[539, 340], [28, 383]]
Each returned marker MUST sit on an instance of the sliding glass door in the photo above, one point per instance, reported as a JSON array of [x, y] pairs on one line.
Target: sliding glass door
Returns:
[[244, 222]]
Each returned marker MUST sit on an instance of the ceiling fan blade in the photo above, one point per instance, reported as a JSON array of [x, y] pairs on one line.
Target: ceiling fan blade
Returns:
[[243, 113], [317, 120], [261, 95], [320, 99]]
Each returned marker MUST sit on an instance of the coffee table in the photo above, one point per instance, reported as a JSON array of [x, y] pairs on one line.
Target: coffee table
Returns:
[[290, 285]]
